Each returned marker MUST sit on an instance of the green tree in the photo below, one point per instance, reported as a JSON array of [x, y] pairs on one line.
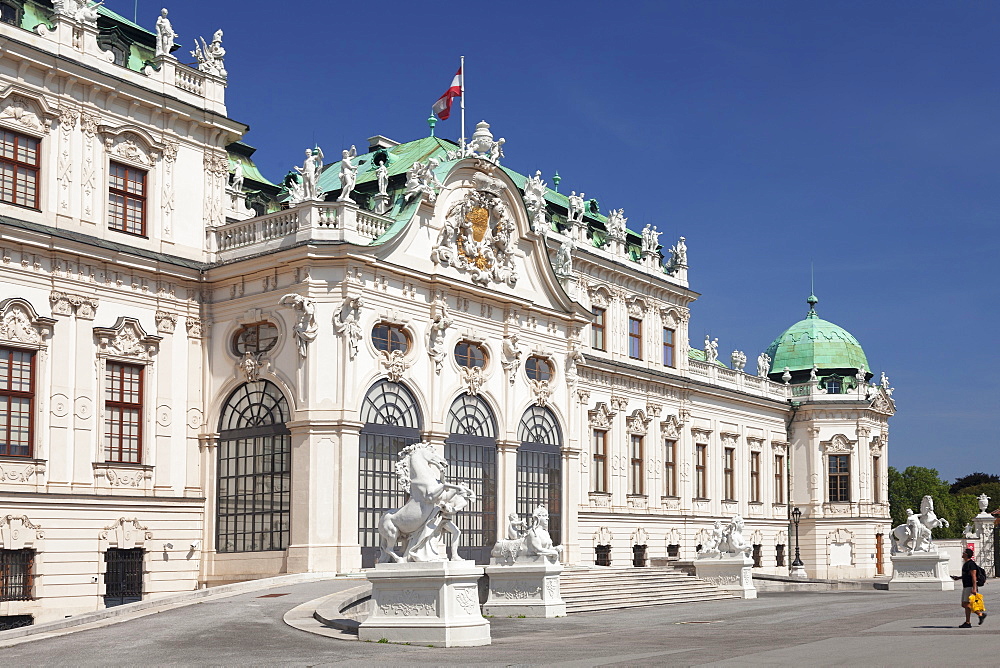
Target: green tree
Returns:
[[973, 479], [908, 488], [990, 489]]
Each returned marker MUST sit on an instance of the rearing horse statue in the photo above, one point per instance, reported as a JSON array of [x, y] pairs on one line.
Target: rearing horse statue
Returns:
[[428, 512]]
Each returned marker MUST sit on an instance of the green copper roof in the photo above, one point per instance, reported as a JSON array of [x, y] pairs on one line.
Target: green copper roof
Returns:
[[814, 341]]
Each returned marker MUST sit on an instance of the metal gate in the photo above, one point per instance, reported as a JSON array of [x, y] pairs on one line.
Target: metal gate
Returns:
[[539, 467], [471, 451], [123, 576], [392, 422]]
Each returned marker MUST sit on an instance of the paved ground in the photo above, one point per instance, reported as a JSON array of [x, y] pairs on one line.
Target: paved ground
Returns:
[[856, 628]]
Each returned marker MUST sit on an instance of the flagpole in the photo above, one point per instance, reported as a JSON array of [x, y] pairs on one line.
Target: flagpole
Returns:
[[461, 83]]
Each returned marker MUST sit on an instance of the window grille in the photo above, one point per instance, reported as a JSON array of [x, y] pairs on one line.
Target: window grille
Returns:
[[539, 467], [16, 574], [122, 576], [471, 453]]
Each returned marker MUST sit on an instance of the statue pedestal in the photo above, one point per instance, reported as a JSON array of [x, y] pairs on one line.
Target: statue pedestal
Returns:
[[730, 573], [381, 203], [923, 570], [529, 587], [426, 603]]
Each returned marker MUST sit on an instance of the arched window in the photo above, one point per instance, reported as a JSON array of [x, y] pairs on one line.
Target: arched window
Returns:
[[471, 451], [539, 467], [392, 421], [254, 472]]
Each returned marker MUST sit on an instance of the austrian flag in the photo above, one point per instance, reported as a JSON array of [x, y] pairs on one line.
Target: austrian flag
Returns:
[[442, 108]]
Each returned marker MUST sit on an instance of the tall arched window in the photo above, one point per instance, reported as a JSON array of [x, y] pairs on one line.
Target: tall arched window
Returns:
[[539, 467], [471, 451], [255, 466], [392, 421]]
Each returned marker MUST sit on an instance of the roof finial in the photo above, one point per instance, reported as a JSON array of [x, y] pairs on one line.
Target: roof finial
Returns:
[[432, 121], [556, 179], [812, 301]]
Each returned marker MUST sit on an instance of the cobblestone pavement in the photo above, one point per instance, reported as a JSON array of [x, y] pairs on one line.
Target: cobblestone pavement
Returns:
[[856, 628]]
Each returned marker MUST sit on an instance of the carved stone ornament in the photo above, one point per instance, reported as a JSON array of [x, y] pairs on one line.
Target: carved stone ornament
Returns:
[[126, 533], [541, 391], [881, 403], [18, 532], [839, 444], [876, 446], [600, 295], [472, 378], [638, 422], [618, 403], [600, 417], [165, 322], [195, 327], [478, 235], [755, 444], [394, 364], [639, 537], [511, 356], [10, 472], [20, 324], [306, 329], [534, 202], [126, 339], [671, 428], [22, 109], [64, 303], [701, 435], [603, 536], [130, 144], [134, 478]]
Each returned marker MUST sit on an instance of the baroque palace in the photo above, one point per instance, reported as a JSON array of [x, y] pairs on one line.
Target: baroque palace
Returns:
[[205, 376]]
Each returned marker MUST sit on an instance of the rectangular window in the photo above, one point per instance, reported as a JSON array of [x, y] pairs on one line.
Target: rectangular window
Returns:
[[127, 199], [755, 476], [700, 462], [670, 470], [597, 329], [668, 347], [729, 474], [876, 480], [635, 338], [600, 482], [123, 413], [840, 478], [17, 399], [16, 574], [19, 165], [779, 478], [635, 465]]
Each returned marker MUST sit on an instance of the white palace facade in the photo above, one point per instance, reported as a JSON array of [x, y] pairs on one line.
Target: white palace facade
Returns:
[[205, 376]]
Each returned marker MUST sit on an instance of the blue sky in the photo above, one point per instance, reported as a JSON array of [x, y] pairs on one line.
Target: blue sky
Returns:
[[857, 136]]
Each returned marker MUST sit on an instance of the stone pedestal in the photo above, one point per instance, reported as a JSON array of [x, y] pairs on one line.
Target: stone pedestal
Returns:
[[923, 570], [730, 573], [426, 603], [382, 203], [529, 587]]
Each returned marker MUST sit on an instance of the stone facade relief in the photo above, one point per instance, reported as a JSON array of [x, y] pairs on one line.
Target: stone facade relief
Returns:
[[64, 303], [346, 321], [534, 202], [305, 329], [126, 533], [422, 181], [17, 532], [436, 332], [126, 338]]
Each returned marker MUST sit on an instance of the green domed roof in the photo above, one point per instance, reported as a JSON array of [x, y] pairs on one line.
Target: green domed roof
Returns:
[[814, 341]]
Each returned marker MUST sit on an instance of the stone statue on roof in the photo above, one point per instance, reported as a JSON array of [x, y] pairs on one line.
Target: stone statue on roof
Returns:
[[616, 224], [210, 56], [310, 171], [293, 185], [678, 256], [165, 34], [421, 180], [711, 349], [650, 239], [238, 176], [534, 202], [382, 174], [739, 359], [575, 209], [763, 365], [348, 174], [563, 263], [482, 144]]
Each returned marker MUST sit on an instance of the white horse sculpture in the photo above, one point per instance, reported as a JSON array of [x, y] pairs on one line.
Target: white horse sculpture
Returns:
[[915, 534], [428, 513]]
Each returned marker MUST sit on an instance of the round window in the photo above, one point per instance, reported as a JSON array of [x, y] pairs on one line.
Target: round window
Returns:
[[256, 338], [470, 354], [390, 337], [538, 368]]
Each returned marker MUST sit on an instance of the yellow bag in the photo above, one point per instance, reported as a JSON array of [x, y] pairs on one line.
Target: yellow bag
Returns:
[[976, 603]]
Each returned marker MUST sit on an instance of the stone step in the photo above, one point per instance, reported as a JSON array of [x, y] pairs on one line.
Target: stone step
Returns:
[[610, 588]]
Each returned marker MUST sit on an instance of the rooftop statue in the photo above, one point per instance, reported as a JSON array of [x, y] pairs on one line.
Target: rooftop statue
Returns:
[[650, 239], [534, 202], [382, 174], [711, 350], [678, 256], [210, 56], [984, 502], [526, 541], [310, 170], [348, 174], [763, 365], [165, 35], [238, 176], [293, 185], [616, 224], [421, 180], [915, 534], [575, 208], [482, 145], [429, 512]]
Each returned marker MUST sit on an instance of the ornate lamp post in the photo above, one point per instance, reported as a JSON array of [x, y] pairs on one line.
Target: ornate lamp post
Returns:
[[797, 565]]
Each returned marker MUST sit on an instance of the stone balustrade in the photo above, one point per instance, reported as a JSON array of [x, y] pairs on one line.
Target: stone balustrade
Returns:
[[332, 221], [738, 380]]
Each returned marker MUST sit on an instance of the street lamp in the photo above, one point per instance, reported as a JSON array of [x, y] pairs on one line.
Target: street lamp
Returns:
[[797, 565]]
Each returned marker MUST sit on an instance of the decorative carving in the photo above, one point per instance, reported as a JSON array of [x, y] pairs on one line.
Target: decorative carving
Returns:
[[482, 145], [346, 320], [839, 444], [472, 378], [165, 322], [13, 473], [23, 111], [20, 324], [511, 356], [126, 339], [250, 366], [541, 390], [573, 358], [527, 539], [348, 174], [678, 257], [711, 350], [616, 225], [310, 170], [123, 477], [195, 328], [638, 422], [915, 534], [210, 57], [618, 403], [468, 600], [600, 417], [575, 207], [534, 202], [738, 359], [563, 262], [165, 35], [440, 322], [763, 365], [60, 405], [421, 181], [478, 235], [305, 329], [650, 240], [164, 415], [671, 428], [18, 532], [395, 365], [126, 533]]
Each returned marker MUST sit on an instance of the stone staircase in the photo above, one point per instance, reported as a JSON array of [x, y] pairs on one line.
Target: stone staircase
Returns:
[[610, 587]]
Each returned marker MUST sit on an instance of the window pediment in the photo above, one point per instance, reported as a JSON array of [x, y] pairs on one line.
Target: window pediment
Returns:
[[21, 325], [126, 339]]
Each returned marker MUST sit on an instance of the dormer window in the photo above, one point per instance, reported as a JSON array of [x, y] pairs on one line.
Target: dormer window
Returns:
[[833, 384]]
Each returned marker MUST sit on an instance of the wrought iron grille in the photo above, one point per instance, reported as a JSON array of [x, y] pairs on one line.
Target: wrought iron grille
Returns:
[[471, 453], [8, 622], [16, 574], [539, 467], [254, 471], [392, 421], [123, 576]]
